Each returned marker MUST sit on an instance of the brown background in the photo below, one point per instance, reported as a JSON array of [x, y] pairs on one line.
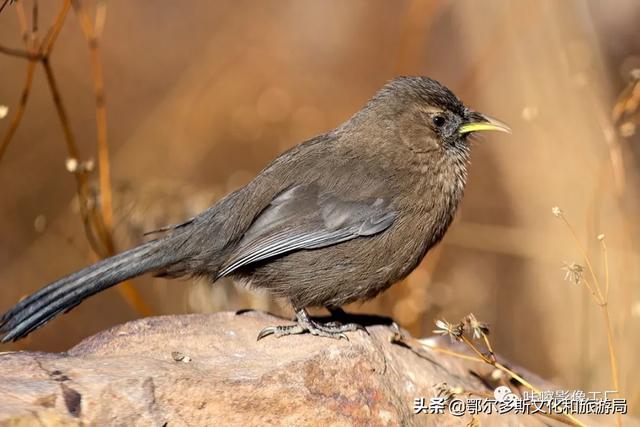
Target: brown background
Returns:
[[202, 94]]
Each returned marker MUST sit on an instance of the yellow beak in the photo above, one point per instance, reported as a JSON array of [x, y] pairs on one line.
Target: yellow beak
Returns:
[[487, 123]]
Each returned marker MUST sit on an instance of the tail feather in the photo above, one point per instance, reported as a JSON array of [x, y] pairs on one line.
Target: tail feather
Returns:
[[64, 294]]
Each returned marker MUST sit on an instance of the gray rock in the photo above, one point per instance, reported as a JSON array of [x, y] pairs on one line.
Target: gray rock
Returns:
[[208, 370]]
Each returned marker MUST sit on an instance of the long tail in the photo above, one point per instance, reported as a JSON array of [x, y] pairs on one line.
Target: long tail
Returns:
[[64, 294]]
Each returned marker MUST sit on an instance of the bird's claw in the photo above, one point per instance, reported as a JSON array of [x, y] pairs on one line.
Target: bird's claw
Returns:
[[266, 332], [280, 331], [333, 330]]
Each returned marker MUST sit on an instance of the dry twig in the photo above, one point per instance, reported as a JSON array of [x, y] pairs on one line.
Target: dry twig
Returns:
[[97, 223]]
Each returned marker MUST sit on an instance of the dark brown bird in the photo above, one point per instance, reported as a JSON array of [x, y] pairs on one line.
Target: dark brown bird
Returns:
[[336, 219]]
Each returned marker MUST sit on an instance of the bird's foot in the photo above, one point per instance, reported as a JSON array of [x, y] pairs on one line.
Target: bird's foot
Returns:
[[341, 315], [305, 324]]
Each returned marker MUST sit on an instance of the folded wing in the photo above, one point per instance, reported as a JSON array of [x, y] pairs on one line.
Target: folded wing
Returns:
[[304, 218]]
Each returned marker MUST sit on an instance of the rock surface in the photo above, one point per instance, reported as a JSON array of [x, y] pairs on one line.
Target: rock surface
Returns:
[[204, 370]]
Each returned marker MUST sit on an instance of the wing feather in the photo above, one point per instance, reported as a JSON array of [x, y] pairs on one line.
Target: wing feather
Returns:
[[302, 218]]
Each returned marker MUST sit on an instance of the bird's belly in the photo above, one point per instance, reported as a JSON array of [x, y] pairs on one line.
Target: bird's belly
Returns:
[[357, 270]]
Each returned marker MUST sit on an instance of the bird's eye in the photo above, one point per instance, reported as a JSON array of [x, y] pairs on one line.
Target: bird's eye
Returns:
[[439, 121]]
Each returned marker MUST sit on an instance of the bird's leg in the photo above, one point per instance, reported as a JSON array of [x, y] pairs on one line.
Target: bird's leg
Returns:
[[305, 324]]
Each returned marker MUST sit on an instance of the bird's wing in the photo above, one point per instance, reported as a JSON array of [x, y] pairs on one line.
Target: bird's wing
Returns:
[[304, 218]]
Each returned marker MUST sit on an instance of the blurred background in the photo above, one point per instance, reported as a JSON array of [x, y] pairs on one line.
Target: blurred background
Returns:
[[200, 97]]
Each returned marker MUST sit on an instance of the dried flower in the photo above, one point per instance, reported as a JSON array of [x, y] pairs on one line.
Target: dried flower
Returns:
[[453, 331], [557, 212], [475, 327], [573, 272]]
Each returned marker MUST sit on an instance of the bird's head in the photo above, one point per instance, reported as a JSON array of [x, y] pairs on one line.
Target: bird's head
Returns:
[[428, 116]]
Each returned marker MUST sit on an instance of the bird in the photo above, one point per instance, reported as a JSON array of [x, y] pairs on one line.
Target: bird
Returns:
[[336, 219]]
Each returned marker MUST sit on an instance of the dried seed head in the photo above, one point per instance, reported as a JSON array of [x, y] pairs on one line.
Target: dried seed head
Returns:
[[497, 374], [573, 272], [600, 237], [71, 164], [4, 110], [476, 328], [557, 212], [452, 331]]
